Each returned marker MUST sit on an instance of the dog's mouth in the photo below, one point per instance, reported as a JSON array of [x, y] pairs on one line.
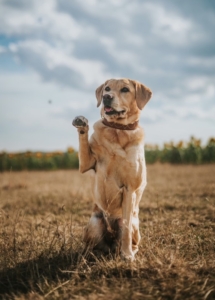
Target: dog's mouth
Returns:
[[110, 111]]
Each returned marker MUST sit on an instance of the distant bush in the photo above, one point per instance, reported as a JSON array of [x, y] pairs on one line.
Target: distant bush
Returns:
[[39, 160], [181, 153]]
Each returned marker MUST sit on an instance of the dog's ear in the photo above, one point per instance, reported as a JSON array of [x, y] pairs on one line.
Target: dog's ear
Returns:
[[142, 94], [99, 92]]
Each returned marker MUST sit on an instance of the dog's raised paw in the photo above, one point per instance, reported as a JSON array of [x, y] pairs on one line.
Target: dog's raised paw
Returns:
[[80, 121]]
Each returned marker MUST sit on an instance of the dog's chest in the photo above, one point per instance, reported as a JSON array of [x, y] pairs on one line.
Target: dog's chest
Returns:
[[118, 148], [111, 143], [120, 163]]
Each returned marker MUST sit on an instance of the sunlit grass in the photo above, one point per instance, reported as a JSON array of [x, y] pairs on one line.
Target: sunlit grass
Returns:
[[42, 256]]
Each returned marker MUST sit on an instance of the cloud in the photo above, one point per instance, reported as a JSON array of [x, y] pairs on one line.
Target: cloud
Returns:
[[2, 49], [75, 46], [54, 64], [153, 43], [168, 25]]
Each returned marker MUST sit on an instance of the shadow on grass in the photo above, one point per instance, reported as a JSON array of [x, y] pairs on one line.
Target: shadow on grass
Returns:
[[28, 276], [33, 274]]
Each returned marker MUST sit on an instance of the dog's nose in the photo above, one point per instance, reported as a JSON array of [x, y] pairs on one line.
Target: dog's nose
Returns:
[[107, 99]]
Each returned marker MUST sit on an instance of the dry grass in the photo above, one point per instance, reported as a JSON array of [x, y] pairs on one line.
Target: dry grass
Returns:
[[42, 215]]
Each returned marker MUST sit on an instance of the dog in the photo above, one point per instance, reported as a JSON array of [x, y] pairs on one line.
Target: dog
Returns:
[[114, 155]]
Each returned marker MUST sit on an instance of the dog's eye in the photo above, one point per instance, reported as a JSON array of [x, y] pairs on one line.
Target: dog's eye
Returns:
[[124, 90], [107, 89]]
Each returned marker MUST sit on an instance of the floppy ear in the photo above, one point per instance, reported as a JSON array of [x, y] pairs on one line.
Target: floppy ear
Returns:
[[142, 94], [99, 91]]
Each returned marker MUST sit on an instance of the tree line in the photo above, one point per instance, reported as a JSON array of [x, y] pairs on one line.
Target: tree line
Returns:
[[191, 152]]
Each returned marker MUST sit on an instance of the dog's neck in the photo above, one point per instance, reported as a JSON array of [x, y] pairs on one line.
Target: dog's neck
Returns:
[[132, 126]]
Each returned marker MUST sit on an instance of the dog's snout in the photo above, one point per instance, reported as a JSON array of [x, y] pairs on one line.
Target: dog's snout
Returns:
[[107, 99]]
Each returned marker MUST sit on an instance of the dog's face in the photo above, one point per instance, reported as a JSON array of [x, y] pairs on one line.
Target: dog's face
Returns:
[[122, 100]]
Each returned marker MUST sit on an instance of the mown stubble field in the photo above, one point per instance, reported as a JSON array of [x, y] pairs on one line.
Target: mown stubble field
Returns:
[[42, 216]]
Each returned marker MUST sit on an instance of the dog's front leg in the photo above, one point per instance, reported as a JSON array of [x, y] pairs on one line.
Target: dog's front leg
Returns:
[[129, 200], [86, 158]]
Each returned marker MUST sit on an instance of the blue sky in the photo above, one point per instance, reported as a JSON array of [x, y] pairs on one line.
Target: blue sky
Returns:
[[63, 50]]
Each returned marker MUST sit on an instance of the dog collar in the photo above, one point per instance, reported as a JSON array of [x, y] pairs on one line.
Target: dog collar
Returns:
[[132, 126]]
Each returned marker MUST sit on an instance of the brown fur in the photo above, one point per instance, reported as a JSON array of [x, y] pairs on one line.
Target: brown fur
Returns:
[[115, 159]]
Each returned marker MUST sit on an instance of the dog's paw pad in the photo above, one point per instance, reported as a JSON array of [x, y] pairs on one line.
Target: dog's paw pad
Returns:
[[80, 121]]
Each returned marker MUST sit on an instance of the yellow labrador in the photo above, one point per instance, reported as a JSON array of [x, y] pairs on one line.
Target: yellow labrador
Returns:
[[115, 156]]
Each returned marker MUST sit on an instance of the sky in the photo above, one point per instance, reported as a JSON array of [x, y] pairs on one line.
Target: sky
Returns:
[[55, 53]]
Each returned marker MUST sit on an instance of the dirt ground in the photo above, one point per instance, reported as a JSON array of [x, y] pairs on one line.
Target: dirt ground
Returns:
[[42, 216]]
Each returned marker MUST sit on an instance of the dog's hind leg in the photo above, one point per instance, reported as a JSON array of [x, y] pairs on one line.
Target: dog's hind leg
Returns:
[[113, 234], [95, 231], [103, 233]]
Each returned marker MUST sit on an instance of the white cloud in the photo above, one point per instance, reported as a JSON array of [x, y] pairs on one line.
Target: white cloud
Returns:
[[106, 10], [46, 58], [38, 20], [167, 24], [201, 89], [74, 46]]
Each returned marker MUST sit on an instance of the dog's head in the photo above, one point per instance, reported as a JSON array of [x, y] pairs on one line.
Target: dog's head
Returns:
[[122, 100]]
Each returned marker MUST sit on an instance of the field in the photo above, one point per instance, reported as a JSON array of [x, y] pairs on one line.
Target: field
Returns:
[[42, 216]]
